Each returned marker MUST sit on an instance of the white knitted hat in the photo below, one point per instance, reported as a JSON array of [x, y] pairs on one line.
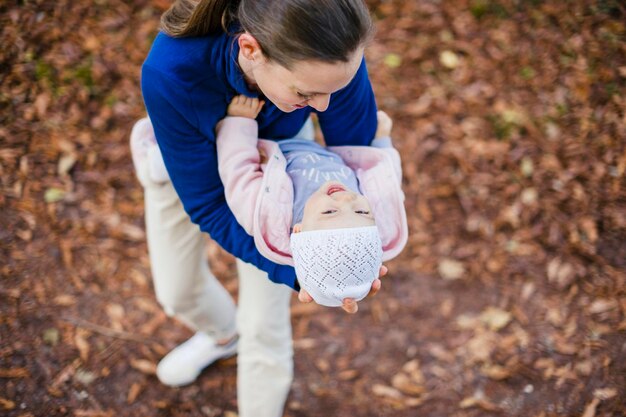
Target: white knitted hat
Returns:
[[334, 264]]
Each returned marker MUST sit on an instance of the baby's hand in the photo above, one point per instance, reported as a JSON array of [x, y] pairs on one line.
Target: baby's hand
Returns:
[[349, 304], [242, 106], [384, 125]]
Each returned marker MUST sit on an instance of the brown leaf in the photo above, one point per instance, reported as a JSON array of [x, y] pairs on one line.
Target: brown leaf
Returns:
[[65, 300], [81, 344], [605, 393], [403, 383], [348, 374], [6, 404], [602, 306], [450, 269], [483, 403], [496, 372], [590, 409], [495, 318], [560, 273], [14, 373], [386, 391], [143, 365], [133, 392], [65, 374]]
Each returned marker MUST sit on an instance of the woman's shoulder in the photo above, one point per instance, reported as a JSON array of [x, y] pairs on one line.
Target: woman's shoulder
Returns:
[[190, 60]]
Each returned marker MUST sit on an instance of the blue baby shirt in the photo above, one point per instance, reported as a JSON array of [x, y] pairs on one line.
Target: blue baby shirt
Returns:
[[310, 165]]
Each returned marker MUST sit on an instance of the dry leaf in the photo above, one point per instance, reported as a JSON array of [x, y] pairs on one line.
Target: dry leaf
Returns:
[[483, 403], [602, 306], [605, 393], [66, 163], [133, 393], [590, 409], [403, 383], [449, 269], [386, 391], [81, 344], [65, 300], [14, 373], [143, 365], [6, 404], [449, 59], [496, 372], [495, 318], [560, 273]]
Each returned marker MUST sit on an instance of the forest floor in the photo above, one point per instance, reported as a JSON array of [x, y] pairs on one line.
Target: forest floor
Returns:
[[509, 299]]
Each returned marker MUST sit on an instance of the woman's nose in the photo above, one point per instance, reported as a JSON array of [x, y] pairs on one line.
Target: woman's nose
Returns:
[[320, 102]]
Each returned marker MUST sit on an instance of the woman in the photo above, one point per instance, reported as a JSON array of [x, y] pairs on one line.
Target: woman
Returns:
[[300, 56]]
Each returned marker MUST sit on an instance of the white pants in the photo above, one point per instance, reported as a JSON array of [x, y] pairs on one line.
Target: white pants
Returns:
[[186, 288]]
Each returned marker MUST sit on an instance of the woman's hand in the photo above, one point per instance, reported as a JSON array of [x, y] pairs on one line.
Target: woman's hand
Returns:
[[349, 304]]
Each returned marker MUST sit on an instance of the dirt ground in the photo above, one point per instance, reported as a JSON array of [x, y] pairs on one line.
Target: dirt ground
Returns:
[[509, 299]]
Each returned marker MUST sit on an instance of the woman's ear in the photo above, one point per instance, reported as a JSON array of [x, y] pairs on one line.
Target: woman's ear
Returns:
[[297, 228], [249, 47]]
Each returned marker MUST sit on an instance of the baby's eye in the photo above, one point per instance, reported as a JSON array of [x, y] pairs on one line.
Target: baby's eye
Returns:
[[329, 211], [304, 96], [362, 212]]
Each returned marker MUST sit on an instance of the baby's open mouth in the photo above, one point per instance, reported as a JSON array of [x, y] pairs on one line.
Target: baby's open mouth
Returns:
[[334, 189]]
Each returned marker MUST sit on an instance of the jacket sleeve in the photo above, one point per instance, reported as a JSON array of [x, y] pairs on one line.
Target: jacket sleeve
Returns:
[[238, 162], [191, 161], [386, 144], [351, 115]]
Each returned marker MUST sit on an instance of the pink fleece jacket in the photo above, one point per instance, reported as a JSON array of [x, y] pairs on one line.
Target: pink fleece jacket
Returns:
[[260, 193]]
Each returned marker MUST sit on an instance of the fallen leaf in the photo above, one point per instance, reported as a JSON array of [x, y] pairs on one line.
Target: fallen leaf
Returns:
[[590, 409], [449, 269], [6, 404], [483, 403], [386, 391], [133, 392], [51, 336], [65, 300], [605, 393], [602, 306], [402, 382], [495, 372], [66, 163], [85, 377], [52, 195], [143, 365], [449, 59], [81, 344], [14, 373], [392, 60], [495, 318]]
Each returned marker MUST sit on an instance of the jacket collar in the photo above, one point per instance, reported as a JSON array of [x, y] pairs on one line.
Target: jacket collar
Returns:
[[234, 74]]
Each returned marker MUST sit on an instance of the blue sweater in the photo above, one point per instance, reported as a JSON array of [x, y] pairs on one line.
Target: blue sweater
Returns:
[[187, 83]]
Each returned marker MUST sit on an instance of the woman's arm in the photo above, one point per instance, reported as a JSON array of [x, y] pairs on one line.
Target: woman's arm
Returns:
[[191, 161]]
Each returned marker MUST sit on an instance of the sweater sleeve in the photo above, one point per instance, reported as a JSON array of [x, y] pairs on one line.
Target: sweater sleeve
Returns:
[[239, 164], [191, 160], [351, 115]]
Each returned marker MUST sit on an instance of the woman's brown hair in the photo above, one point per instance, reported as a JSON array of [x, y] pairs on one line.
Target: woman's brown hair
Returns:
[[287, 30]]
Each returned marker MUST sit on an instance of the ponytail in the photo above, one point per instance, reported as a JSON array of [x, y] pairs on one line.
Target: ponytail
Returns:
[[187, 18]]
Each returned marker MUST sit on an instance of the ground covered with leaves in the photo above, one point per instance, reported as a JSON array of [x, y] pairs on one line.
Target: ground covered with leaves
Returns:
[[509, 300]]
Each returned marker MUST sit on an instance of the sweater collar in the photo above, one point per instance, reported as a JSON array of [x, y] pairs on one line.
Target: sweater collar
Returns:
[[234, 74]]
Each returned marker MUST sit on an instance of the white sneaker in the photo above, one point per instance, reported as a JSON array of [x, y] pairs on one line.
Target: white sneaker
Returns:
[[183, 364]]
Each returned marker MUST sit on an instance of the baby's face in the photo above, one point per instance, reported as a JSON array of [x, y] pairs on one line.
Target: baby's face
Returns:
[[335, 206]]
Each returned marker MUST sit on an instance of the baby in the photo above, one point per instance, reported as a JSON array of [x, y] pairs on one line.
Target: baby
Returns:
[[314, 207]]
